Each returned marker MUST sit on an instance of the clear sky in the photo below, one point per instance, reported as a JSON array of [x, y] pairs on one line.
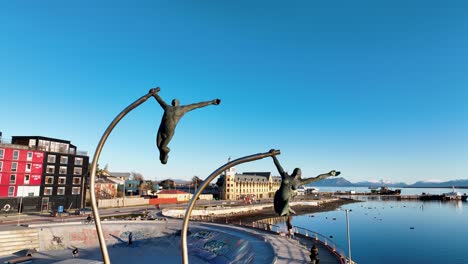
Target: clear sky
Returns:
[[376, 89]]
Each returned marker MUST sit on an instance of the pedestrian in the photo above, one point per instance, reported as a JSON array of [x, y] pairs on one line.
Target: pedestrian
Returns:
[[89, 219], [130, 238], [314, 255], [75, 252]]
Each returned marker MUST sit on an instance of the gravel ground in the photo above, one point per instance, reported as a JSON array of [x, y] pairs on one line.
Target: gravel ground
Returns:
[[269, 212]]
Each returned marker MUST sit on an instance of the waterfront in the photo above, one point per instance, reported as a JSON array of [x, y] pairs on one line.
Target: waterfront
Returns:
[[397, 231]]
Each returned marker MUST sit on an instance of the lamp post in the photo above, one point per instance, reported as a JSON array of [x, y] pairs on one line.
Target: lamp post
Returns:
[[349, 239], [20, 209]]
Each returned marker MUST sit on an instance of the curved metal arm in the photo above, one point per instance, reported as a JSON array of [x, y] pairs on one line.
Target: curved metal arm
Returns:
[[203, 186], [92, 178]]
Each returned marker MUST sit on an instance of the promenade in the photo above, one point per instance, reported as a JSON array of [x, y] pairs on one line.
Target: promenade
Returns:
[[160, 241]]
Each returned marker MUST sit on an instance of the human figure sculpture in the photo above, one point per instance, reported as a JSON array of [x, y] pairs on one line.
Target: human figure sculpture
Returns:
[[290, 183], [172, 114]]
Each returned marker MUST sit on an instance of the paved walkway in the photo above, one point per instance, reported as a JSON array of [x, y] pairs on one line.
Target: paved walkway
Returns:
[[264, 246]]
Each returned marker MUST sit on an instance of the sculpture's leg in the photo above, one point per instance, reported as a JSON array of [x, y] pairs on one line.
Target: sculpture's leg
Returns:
[[163, 140], [163, 154]]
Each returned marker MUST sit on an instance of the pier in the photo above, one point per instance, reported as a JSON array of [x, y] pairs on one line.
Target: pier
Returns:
[[421, 197]]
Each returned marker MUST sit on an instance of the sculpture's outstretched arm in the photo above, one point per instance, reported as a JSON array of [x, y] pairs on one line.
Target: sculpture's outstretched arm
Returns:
[[191, 107], [278, 166], [154, 93], [320, 177]]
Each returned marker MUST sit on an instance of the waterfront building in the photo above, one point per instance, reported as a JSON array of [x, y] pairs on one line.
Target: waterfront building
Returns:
[[179, 195], [64, 171], [20, 170], [248, 185], [105, 188]]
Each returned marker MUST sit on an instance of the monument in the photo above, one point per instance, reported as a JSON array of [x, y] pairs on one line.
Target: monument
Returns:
[[289, 183], [172, 114]]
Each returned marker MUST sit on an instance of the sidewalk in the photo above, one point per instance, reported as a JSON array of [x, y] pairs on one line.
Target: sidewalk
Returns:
[[259, 246]]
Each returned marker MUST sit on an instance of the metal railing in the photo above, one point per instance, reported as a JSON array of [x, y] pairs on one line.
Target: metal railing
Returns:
[[329, 243]]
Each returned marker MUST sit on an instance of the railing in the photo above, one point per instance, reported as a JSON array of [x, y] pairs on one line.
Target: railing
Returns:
[[341, 254]]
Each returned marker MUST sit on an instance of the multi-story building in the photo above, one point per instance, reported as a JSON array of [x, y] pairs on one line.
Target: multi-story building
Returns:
[[64, 171], [20, 171], [258, 185]]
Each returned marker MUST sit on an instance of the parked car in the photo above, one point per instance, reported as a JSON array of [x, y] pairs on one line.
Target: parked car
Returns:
[[84, 211]]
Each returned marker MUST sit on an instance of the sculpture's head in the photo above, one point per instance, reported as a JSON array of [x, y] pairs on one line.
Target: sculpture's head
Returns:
[[175, 102], [297, 173]]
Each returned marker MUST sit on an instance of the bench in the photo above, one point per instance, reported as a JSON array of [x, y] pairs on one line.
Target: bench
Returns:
[[26, 259]]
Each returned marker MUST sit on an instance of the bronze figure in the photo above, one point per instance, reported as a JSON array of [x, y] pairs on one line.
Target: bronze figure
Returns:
[[290, 183], [172, 114]]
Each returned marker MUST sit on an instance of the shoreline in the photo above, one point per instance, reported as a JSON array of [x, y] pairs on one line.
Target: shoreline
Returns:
[[269, 212]]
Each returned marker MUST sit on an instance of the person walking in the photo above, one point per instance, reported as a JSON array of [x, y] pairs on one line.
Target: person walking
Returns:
[[130, 238], [314, 255], [75, 252]]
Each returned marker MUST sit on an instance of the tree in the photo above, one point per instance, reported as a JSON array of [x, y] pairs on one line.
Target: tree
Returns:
[[142, 186], [138, 176], [100, 172], [196, 181]]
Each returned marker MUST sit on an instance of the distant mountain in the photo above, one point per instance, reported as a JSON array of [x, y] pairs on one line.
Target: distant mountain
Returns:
[[339, 182], [432, 184], [380, 183]]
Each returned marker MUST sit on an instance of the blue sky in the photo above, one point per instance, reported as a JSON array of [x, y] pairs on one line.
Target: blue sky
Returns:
[[376, 89]]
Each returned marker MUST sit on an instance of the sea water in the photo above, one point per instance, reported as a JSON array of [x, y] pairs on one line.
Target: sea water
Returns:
[[397, 231]]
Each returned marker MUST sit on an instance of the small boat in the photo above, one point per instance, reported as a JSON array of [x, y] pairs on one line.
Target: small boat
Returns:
[[464, 197], [453, 195], [311, 190]]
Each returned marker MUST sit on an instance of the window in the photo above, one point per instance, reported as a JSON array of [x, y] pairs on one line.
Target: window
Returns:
[[61, 191], [76, 190], [12, 179], [15, 154], [51, 158], [63, 160], [76, 180], [79, 161], [77, 171], [62, 180], [28, 167], [32, 142], [14, 166], [48, 191], [26, 179], [11, 191], [2, 152], [30, 154], [1, 165], [50, 169], [49, 179], [63, 170]]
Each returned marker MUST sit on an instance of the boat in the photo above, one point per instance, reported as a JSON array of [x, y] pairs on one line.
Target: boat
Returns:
[[386, 191], [453, 195], [464, 197], [310, 190]]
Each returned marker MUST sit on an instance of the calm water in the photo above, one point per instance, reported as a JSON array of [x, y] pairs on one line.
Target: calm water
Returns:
[[398, 231]]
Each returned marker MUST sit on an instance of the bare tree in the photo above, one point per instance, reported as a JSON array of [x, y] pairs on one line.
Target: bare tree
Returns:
[[196, 181], [137, 176]]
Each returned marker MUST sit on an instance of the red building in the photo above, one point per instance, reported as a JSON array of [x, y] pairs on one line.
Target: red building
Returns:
[[20, 171]]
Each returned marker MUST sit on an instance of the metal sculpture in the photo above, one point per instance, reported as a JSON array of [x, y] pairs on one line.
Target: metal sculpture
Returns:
[[289, 183], [172, 114], [167, 128], [205, 183]]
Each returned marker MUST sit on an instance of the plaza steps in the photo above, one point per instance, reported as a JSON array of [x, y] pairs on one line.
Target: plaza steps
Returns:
[[15, 240]]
